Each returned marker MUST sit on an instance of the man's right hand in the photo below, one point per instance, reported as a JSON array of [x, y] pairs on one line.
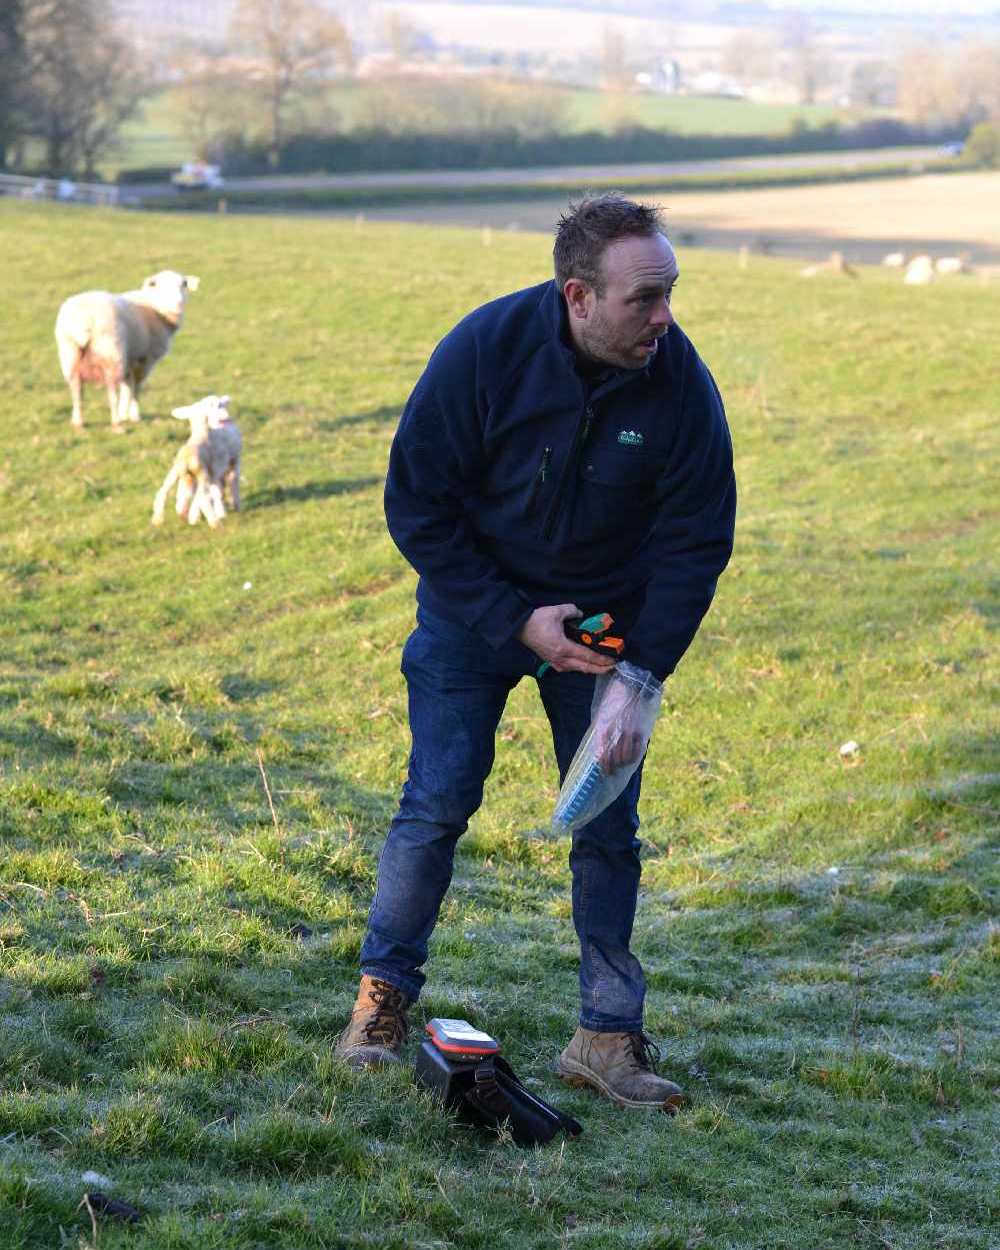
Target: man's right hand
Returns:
[[543, 633]]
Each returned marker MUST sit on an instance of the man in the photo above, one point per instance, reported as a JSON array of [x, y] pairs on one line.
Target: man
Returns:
[[564, 452]]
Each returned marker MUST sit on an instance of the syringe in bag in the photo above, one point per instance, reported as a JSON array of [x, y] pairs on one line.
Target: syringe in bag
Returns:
[[580, 797]]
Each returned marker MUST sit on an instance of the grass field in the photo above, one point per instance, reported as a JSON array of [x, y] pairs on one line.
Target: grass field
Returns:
[[819, 932]]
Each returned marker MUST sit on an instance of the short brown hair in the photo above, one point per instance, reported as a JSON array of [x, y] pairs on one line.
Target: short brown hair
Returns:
[[587, 228]]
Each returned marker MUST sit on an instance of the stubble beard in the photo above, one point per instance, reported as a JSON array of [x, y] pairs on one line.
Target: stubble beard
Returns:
[[601, 347]]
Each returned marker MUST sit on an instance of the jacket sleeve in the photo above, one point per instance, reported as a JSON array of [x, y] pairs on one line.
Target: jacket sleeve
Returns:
[[693, 537], [436, 461]]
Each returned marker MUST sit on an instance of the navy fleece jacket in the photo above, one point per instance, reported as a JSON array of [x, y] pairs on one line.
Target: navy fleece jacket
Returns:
[[513, 484]]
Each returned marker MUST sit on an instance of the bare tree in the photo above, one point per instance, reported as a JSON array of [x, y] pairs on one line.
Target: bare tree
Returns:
[[211, 103], [922, 83], [958, 87], [296, 44], [749, 57], [79, 82], [976, 79], [403, 38], [10, 69], [615, 74], [443, 106], [809, 65], [872, 83]]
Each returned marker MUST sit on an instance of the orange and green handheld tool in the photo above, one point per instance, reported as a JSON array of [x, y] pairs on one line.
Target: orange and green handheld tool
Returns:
[[592, 632]]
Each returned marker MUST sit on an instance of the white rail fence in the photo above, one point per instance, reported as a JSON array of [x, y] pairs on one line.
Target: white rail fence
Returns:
[[62, 189]]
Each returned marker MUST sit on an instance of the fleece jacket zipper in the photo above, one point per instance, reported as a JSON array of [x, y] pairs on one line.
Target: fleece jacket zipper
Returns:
[[569, 472], [540, 476]]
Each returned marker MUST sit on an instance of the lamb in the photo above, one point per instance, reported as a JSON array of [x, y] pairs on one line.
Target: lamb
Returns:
[[836, 264], [207, 462], [117, 339]]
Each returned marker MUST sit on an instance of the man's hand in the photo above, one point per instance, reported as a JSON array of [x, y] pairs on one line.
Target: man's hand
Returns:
[[619, 734], [543, 633]]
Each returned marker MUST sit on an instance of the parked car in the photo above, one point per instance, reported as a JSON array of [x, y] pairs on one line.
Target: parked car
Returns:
[[952, 149], [197, 176]]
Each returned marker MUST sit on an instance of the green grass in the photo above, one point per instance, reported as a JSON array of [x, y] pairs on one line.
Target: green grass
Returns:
[[162, 1022], [153, 138], [695, 115], [606, 110]]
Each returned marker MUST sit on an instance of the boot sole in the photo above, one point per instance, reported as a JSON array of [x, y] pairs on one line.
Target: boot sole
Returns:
[[359, 1062], [578, 1076]]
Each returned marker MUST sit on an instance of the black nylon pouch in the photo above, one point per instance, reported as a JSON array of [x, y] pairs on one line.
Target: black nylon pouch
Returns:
[[487, 1092]]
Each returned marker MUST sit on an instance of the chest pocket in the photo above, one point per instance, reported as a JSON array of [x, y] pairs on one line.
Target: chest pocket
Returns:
[[621, 469], [616, 491]]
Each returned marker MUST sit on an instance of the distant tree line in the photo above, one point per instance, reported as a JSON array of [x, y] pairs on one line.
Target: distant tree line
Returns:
[[415, 122], [69, 80], [375, 148]]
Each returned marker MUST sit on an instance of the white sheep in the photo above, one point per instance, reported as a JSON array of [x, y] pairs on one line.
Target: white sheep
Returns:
[[115, 340], [951, 264], [208, 461], [919, 271], [894, 260]]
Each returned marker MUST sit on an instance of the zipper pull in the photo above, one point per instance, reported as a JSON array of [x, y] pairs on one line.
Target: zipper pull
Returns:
[[545, 462]]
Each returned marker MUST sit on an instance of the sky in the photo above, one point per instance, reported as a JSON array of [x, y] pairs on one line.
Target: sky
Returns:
[[898, 8], [895, 7]]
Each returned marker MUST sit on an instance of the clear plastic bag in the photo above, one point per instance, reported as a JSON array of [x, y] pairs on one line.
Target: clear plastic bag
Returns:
[[624, 711]]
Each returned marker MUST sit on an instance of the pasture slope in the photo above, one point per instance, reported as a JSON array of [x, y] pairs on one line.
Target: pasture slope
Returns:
[[819, 933]]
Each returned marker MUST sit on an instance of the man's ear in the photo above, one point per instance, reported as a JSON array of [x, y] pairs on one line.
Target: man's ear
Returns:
[[580, 297]]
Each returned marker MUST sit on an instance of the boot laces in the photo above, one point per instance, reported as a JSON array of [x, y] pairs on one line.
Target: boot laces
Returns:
[[643, 1050], [388, 1022]]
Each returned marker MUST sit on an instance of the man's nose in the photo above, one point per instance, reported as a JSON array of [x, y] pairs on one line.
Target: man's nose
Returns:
[[662, 316]]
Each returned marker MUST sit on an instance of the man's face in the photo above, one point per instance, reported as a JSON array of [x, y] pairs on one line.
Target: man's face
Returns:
[[621, 327]]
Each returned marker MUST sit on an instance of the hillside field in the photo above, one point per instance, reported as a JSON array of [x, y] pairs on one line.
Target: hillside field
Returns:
[[156, 136], [942, 214], [818, 930]]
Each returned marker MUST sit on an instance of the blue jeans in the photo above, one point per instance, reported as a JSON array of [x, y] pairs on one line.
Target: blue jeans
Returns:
[[458, 686]]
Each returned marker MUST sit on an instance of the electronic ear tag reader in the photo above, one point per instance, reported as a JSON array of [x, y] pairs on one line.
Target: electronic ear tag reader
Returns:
[[459, 1040]]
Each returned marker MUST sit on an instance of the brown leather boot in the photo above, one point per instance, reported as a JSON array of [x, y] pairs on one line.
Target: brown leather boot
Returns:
[[377, 1029], [620, 1065]]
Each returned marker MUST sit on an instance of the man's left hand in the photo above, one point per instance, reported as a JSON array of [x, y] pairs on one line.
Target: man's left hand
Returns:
[[619, 737]]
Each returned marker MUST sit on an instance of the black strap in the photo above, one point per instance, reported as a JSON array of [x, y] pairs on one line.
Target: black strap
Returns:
[[486, 1094], [496, 1096], [573, 1127]]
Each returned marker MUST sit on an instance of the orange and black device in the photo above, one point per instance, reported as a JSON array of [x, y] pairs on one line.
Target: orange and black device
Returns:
[[458, 1039], [592, 632]]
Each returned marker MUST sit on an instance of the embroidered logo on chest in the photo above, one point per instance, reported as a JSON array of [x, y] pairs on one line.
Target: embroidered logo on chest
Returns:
[[630, 438]]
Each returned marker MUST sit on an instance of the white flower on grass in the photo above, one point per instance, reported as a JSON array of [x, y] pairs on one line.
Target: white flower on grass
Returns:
[[248, 585], [849, 750]]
